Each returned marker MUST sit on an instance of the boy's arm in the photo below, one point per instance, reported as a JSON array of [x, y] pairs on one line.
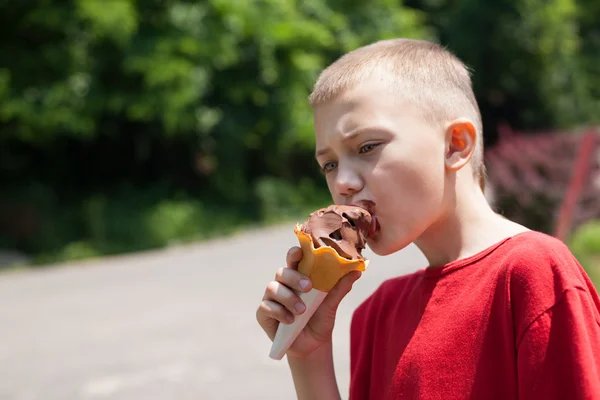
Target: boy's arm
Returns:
[[314, 375], [559, 354]]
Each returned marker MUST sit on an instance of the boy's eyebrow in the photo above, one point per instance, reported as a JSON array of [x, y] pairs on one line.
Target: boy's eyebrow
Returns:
[[352, 135], [321, 152]]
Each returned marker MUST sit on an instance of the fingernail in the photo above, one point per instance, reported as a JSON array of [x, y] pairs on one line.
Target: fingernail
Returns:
[[303, 283], [299, 307]]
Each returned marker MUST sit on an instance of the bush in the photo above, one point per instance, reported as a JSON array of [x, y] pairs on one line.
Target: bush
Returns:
[[530, 175], [281, 200], [585, 245], [118, 222], [78, 251], [54, 228]]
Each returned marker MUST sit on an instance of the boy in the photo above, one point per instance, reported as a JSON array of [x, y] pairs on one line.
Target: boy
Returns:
[[501, 312]]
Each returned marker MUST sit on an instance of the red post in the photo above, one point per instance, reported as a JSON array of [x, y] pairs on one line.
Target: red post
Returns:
[[579, 174]]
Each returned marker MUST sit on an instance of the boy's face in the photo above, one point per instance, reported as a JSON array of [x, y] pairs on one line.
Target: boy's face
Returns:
[[375, 148]]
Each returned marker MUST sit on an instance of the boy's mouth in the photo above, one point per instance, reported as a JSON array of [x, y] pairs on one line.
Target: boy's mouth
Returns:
[[370, 207], [374, 226]]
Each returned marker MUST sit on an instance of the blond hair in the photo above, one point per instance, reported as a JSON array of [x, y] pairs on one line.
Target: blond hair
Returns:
[[423, 72]]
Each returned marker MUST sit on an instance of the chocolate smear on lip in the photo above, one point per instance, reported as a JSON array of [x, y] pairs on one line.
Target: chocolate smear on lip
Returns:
[[344, 228]]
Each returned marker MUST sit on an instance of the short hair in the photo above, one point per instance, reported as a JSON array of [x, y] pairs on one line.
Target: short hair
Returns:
[[429, 75]]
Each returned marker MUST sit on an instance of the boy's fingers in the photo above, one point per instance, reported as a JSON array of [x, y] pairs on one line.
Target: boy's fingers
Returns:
[[270, 314], [284, 296], [293, 279], [341, 289], [293, 257]]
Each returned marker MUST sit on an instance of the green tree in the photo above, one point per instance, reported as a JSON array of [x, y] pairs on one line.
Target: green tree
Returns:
[[209, 97], [536, 63]]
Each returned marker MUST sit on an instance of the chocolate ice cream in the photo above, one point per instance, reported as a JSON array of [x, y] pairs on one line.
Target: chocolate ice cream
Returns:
[[344, 228]]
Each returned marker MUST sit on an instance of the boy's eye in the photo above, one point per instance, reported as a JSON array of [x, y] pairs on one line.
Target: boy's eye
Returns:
[[367, 148], [329, 166]]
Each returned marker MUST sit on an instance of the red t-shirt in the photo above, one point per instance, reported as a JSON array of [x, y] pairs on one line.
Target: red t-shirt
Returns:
[[518, 320]]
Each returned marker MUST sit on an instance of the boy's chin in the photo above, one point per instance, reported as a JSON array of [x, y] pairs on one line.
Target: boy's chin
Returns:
[[381, 248]]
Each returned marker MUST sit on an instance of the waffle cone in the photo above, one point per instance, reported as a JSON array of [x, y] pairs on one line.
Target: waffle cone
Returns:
[[323, 265]]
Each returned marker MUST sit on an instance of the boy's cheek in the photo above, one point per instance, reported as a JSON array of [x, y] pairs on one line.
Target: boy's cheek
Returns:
[[338, 200]]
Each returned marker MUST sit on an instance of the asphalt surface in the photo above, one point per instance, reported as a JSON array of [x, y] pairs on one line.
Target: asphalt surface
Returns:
[[172, 324]]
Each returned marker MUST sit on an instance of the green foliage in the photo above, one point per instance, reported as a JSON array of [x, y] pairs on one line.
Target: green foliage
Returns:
[[585, 245], [129, 220], [208, 99], [535, 61], [587, 238], [232, 77], [73, 251], [281, 200]]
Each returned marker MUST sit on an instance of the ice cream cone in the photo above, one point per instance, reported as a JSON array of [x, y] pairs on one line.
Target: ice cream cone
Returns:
[[324, 267]]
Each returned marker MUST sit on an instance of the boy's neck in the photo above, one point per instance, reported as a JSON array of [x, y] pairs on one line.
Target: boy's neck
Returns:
[[469, 228]]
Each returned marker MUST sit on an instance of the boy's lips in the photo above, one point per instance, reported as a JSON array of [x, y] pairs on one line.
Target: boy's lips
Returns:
[[370, 207], [374, 226]]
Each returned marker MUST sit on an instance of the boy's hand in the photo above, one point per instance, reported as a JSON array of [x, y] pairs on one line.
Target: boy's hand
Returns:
[[280, 304]]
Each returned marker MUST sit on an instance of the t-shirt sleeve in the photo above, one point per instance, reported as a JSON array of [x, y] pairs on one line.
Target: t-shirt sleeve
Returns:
[[556, 314], [558, 356]]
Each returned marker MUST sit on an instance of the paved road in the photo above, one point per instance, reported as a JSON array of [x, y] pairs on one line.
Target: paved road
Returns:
[[175, 324]]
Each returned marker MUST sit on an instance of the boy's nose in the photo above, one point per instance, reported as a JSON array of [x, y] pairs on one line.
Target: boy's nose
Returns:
[[347, 183]]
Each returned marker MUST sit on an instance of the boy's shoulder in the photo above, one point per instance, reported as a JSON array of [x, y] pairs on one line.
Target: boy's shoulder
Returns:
[[533, 257], [537, 245], [540, 271]]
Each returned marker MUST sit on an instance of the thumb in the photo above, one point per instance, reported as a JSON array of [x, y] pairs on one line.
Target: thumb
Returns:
[[341, 289]]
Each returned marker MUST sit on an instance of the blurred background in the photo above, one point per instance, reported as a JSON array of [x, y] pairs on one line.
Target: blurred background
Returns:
[[141, 125]]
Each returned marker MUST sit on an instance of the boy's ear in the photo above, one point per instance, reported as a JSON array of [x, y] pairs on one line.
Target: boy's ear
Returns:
[[461, 137]]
